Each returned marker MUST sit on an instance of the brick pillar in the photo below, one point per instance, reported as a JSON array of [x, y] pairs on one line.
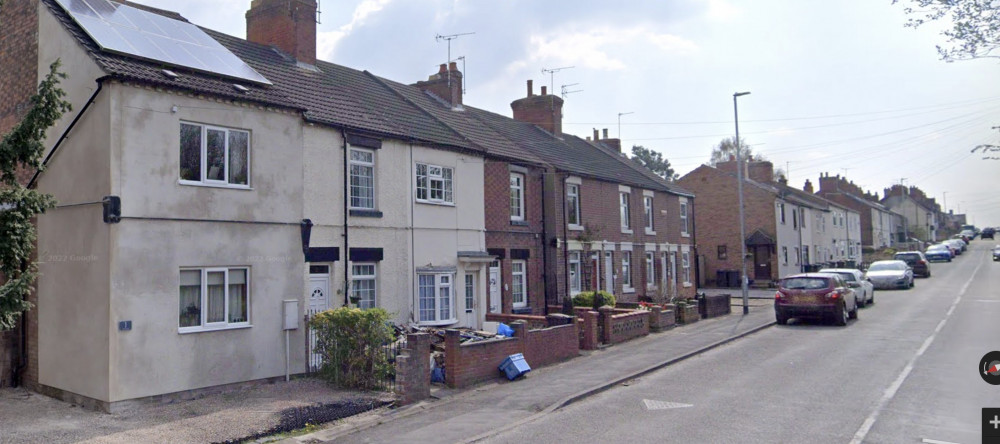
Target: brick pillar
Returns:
[[605, 319], [654, 318], [557, 319], [413, 369], [453, 357], [589, 340]]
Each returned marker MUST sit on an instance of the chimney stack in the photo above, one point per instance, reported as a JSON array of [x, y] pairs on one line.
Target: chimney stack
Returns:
[[596, 135], [447, 84], [544, 111], [762, 171], [289, 25], [808, 187]]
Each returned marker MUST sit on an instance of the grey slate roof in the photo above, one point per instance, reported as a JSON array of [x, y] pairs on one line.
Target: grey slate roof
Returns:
[[359, 101]]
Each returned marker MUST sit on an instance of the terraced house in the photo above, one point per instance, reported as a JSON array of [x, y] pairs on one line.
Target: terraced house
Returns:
[[213, 190]]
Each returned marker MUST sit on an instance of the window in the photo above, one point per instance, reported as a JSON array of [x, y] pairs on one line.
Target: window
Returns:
[[650, 270], [781, 212], [723, 253], [805, 255], [647, 203], [784, 255], [574, 272], [795, 219], [686, 266], [434, 184], [470, 292], [797, 258], [516, 196], [519, 283], [362, 165], [363, 284], [573, 204], [627, 270], [214, 298], [684, 217], [802, 217], [434, 294], [625, 212], [214, 156]]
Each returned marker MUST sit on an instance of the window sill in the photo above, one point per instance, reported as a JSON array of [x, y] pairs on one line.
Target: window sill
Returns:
[[572, 227], [519, 223], [187, 330], [438, 323], [628, 290], [626, 230], [365, 213], [440, 204], [685, 234], [650, 232], [214, 185], [687, 284], [521, 310]]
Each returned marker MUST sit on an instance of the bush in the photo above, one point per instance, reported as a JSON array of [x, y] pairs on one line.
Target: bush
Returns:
[[587, 299], [351, 341]]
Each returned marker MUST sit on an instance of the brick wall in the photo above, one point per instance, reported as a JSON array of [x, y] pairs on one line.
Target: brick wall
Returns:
[[620, 327], [551, 345], [289, 25], [835, 189], [413, 369]]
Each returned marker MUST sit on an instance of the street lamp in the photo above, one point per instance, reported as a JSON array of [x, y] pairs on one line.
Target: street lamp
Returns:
[[739, 185], [620, 122]]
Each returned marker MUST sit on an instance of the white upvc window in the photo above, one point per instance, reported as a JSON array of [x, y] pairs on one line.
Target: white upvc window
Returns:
[[625, 210], [685, 230], [647, 204], [573, 205], [627, 271], [686, 267], [434, 184], [470, 292], [214, 298], [650, 270], [434, 294], [214, 156], [574, 273], [363, 285], [781, 212], [519, 283], [516, 196], [784, 255], [362, 180]]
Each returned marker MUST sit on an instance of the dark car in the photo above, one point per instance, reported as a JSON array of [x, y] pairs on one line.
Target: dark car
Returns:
[[987, 233], [816, 295], [915, 260]]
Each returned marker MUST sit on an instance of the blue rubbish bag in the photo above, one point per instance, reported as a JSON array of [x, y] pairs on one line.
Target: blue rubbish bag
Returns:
[[503, 329], [437, 375]]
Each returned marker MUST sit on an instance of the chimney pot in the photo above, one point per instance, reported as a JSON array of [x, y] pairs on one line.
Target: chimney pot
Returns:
[[531, 90], [442, 69], [544, 92], [452, 66], [605, 133], [596, 135]]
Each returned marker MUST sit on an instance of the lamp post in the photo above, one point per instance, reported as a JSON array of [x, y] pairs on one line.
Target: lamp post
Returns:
[[739, 186], [620, 122]]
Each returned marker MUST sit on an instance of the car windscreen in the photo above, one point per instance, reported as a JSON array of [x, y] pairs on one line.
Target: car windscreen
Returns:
[[887, 266], [804, 283]]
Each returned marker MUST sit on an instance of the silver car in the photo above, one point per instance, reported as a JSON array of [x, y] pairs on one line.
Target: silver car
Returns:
[[863, 289], [890, 274]]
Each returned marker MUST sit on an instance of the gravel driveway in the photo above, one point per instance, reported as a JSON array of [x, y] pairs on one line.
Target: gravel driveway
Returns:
[[27, 417]]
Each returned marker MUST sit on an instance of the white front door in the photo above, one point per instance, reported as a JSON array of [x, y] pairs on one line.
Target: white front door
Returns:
[[609, 272], [470, 301], [319, 292], [495, 301], [665, 276]]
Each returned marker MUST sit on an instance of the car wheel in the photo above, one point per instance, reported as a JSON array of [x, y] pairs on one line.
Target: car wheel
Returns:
[[841, 318], [949, 259], [780, 318], [853, 314], [872, 301]]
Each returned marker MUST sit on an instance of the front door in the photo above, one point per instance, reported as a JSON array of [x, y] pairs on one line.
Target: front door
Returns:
[[495, 300], [595, 274], [609, 272], [319, 300], [470, 306], [762, 262]]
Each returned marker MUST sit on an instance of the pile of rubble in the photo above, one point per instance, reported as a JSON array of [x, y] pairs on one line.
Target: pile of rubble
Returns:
[[437, 343]]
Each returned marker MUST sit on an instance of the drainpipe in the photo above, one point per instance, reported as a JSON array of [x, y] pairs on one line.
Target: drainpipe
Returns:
[[565, 237], [545, 252], [347, 197]]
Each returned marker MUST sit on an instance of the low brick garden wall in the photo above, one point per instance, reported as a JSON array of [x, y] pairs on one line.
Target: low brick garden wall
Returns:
[[534, 321], [714, 305], [620, 327]]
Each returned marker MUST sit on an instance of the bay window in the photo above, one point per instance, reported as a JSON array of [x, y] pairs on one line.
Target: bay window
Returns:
[[435, 298]]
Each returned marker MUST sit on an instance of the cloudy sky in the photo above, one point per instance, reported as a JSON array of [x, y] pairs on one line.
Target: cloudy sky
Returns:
[[843, 89]]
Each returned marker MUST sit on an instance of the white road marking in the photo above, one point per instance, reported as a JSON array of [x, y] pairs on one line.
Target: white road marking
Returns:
[[663, 405], [890, 392], [934, 441]]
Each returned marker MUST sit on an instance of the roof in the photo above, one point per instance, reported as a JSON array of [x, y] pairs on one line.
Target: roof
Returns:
[[359, 101]]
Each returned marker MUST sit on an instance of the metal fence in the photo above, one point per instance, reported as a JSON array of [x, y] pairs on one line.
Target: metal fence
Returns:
[[387, 353]]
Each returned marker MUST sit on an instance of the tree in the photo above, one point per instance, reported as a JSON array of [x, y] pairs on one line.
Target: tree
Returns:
[[727, 148], [654, 161], [975, 30], [22, 148]]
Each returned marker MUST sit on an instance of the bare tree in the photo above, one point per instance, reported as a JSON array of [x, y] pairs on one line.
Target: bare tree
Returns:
[[975, 30]]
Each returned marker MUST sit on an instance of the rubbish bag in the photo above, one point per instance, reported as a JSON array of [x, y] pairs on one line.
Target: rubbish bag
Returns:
[[505, 330]]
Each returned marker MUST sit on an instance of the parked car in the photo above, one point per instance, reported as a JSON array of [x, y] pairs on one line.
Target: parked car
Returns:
[[890, 274], [996, 253], [855, 279], [987, 233], [822, 295], [959, 245], [971, 234], [938, 252], [964, 238], [916, 261]]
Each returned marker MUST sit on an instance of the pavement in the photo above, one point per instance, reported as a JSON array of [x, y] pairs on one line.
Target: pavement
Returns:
[[486, 410]]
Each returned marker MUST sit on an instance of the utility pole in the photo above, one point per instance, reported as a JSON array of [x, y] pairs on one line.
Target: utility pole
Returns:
[[739, 186]]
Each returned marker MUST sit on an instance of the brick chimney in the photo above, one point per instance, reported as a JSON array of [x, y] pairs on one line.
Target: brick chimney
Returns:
[[446, 84], [544, 110], [609, 142], [808, 187], [289, 25], [761, 171]]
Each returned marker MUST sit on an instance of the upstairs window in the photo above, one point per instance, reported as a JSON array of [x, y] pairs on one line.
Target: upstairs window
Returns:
[[647, 203], [684, 218], [625, 211], [516, 196], [573, 204], [214, 156], [362, 188], [434, 184]]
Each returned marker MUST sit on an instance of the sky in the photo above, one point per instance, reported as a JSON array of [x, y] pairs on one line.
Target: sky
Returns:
[[835, 87]]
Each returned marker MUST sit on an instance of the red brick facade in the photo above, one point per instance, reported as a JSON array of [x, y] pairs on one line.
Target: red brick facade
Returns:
[[289, 25]]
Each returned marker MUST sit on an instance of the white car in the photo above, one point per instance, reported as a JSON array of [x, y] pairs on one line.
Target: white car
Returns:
[[864, 290]]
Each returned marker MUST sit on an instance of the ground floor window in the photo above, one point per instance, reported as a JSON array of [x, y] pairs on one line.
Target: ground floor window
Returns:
[[519, 283], [214, 298], [686, 266], [627, 270], [470, 292], [574, 272], [650, 270], [435, 297], [363, 287]]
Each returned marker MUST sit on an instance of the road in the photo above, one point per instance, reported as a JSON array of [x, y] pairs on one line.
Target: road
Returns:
[[904, 372]]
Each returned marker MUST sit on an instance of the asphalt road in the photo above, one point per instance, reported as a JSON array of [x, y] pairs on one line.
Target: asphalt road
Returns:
[[904, 372]]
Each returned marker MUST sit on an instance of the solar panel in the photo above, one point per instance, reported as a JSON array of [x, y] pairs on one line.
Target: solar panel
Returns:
[[123, 29]]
